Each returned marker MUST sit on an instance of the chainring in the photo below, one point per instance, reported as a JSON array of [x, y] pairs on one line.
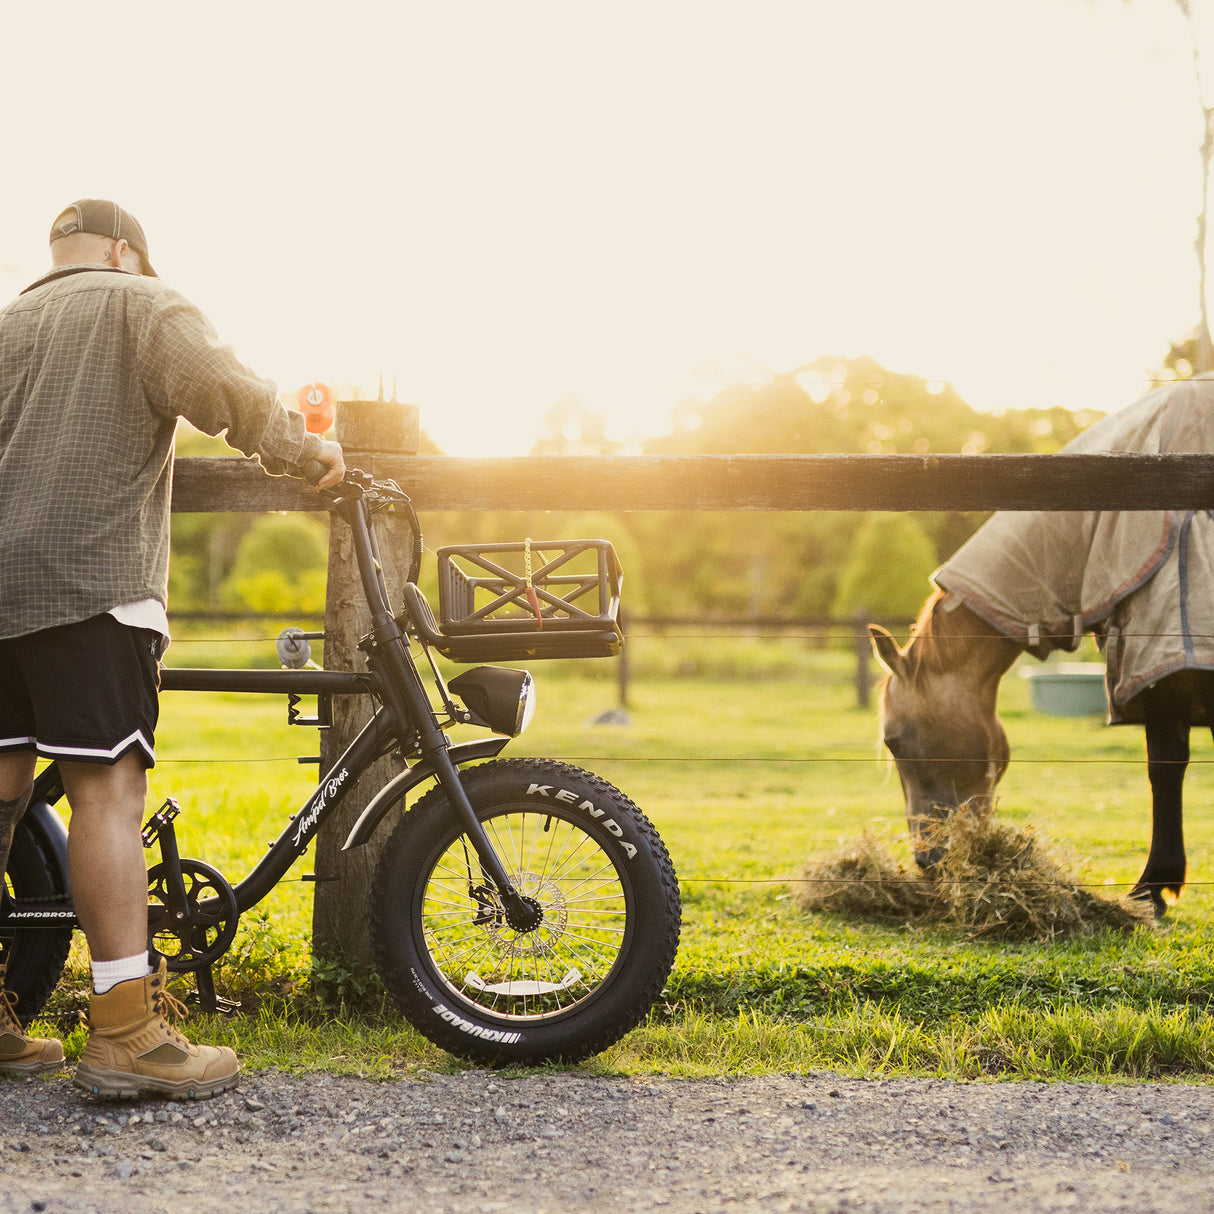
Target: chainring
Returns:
[[195, 926]]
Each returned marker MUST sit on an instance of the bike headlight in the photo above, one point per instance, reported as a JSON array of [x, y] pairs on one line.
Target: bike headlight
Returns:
[[497, 697]]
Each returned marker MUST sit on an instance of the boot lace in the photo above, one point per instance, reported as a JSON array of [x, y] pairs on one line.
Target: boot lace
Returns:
[[8, 1008], [170, 1010]]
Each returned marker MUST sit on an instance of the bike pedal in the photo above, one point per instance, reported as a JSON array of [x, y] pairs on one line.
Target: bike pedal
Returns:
[[215, 1005], [159, 820]]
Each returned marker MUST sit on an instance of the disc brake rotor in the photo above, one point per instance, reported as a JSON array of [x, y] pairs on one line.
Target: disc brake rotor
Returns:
[[542, 939]]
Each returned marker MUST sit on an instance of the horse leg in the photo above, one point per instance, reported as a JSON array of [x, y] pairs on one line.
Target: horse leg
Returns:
[[1167, 731]]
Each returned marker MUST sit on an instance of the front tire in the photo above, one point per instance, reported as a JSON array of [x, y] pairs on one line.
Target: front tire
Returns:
[[573, 985]]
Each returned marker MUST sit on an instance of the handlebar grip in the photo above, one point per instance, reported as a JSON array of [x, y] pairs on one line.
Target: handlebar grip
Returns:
[[312, 470]]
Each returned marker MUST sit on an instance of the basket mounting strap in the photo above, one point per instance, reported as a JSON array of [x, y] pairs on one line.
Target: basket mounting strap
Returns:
[[532, 597]]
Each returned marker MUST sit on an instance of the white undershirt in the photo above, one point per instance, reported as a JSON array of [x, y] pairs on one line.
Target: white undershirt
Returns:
[[147, 613]]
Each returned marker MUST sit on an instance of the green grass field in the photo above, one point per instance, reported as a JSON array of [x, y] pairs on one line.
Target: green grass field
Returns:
[[746, 778]]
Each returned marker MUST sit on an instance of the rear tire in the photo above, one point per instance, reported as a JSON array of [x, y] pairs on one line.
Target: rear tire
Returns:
[[34, 957], [568, 988]]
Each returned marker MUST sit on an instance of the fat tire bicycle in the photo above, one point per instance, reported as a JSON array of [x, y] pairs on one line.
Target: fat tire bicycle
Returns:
[[522, 910]]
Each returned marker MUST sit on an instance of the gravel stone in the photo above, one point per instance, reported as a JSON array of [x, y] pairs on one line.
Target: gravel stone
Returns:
[[547, 1143]]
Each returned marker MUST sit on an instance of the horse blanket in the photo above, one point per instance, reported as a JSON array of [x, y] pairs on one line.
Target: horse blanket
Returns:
[[1142, 581]]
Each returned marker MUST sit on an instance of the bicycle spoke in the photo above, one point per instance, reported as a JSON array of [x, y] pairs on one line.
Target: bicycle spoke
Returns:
[[559, 962]]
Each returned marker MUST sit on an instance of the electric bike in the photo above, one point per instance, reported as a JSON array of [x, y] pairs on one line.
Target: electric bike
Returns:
[[522, 909]]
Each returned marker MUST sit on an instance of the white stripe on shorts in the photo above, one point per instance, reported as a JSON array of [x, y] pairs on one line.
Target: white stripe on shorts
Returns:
[[9, 743], [96, 752]]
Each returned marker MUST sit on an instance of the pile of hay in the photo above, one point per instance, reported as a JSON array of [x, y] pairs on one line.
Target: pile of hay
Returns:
[[995, 881]]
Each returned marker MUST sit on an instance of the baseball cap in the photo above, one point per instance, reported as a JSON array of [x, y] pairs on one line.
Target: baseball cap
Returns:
[[103, 218]]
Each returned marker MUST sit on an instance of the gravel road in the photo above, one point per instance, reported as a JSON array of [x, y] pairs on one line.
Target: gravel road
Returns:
[[557, 1142]]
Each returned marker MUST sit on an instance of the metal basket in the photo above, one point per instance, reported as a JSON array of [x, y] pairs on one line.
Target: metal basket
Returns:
[[524, 600]]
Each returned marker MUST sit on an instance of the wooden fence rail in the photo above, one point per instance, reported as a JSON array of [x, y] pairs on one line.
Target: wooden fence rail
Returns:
[[735, 482]]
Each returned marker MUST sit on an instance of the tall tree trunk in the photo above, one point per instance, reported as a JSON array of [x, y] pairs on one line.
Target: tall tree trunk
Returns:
[[340, 908], [1204, 352], [1205, 348]]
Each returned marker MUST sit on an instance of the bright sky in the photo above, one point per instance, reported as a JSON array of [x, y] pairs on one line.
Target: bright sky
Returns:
[[501, 203]]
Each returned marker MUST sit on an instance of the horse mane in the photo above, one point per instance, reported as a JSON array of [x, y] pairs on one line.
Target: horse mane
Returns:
[[944, 636], [929, 633], [923, 650]]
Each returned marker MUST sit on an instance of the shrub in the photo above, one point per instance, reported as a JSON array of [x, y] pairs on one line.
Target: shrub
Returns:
[[280, 566], [888, 570]]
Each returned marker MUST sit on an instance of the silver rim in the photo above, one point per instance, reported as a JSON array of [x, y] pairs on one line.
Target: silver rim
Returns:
[[537, 974]]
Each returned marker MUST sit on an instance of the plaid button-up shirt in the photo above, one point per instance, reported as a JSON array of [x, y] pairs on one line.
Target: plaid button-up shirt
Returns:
[[96, 366]]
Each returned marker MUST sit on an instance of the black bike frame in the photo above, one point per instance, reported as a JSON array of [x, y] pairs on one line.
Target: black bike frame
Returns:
[[404, 712]]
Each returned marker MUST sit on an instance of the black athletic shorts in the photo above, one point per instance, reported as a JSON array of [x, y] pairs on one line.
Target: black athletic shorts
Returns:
[[86, 692]]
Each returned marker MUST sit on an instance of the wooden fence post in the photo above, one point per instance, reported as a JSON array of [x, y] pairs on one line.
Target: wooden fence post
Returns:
[[340, 909], [863, 649]]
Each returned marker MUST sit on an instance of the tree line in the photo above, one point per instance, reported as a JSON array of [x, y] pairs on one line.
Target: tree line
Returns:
[[717, 564], [733, 565]]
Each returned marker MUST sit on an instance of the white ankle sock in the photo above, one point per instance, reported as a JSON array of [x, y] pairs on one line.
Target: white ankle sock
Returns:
[[109, 973]]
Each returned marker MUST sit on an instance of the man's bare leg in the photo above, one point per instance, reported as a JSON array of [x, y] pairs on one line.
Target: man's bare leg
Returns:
[[105, 854], [132, 1049]]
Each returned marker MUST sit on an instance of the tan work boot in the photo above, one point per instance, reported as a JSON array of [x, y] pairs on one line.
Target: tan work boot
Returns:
[[133, 1051], [19, 1054]]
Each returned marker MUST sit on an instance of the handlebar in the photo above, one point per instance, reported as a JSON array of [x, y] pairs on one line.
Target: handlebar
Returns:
[[357, 484], [361, 487]]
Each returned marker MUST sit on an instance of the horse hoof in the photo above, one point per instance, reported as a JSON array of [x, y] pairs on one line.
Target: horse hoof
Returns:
[[1149, 893]]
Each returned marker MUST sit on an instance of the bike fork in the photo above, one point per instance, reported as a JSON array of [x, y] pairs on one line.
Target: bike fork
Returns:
[[406, 697], [522, 913]]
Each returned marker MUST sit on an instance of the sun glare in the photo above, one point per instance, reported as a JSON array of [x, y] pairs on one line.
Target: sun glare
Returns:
[[737, 211]]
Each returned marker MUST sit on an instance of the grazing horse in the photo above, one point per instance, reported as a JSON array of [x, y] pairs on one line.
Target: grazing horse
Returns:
[[1037, 581], [940, 723]]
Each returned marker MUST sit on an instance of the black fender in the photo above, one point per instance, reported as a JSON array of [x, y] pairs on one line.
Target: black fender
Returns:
[[370, 818], [41, 821]]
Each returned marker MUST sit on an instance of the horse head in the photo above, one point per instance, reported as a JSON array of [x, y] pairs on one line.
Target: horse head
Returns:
[[938, 715]]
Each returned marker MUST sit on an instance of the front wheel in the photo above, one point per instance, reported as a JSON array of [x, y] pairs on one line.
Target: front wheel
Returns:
[[569, 986]]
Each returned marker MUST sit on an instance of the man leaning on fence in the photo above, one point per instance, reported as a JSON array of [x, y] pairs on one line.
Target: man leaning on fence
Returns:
[[98, 360]]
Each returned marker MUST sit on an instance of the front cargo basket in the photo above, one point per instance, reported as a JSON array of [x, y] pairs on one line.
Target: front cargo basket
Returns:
[[523, 601]]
